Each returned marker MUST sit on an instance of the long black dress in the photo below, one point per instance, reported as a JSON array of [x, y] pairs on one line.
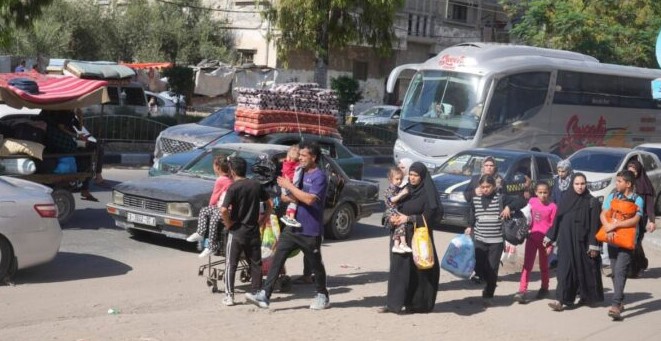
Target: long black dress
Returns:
[[409, 289], [574, 229]]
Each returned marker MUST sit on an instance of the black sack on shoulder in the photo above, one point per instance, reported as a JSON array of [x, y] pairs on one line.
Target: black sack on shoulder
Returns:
[[25, 84]]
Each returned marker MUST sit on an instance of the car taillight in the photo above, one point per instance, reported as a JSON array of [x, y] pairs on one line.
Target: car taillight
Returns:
[[46, 210]]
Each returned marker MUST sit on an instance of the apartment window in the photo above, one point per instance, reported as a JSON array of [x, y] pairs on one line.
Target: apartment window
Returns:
[[246, 56], [417, 25], [360, 70], [458, 12]]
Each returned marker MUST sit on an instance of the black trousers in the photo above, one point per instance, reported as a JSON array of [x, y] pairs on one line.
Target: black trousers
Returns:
[[311, 248], [487, 263], [251, 247]]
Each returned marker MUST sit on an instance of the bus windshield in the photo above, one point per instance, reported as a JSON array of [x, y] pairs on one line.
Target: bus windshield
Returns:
[[442, 104]]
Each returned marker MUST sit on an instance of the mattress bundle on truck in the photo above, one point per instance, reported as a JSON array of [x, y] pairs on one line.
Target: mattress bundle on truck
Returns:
[[287, 108]]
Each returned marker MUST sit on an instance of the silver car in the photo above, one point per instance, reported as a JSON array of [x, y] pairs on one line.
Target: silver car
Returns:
[[379, 115], [184, 137], [29, 231]]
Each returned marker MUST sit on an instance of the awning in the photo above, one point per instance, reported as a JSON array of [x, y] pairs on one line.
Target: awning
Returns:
[[99, 70], [55, 93]]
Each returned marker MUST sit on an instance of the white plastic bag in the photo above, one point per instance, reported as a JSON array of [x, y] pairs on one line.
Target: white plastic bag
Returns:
[[509, 254], [527, 213], [459, 258]]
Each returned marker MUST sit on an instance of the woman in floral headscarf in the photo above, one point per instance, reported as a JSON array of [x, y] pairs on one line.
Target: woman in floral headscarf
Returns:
[[562, 181]]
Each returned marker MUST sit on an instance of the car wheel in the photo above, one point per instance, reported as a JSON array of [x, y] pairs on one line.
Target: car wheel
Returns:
[[65, 204], [6, 258], [341, 223]]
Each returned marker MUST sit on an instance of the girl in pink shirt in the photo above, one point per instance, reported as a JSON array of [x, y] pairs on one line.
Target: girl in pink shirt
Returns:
[[209, 216], [542, 211]]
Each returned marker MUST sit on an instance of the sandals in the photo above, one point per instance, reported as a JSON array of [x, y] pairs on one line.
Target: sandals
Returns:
[[89, 198], [615, 313], [556, 306]]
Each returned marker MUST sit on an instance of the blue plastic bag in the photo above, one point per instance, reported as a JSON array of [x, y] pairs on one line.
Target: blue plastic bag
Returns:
[[65, 165], [459, 258]]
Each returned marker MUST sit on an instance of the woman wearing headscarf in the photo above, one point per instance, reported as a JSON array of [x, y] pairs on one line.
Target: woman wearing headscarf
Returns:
[[411, 290], [562, 181], [579, 262], [644, 189]]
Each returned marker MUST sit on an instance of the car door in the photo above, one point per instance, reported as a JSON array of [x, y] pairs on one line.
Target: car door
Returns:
[[544, 170], [652, 167], [335, 182], [519, 175]]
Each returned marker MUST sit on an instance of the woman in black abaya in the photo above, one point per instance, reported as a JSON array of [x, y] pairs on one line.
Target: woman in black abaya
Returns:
[[645, 190], [411, 290], [579, 261]]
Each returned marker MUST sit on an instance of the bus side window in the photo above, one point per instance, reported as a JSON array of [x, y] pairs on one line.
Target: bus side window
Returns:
[[517, 96]]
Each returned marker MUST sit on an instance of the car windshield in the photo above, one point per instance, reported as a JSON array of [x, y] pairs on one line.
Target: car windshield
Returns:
[[442, 104], [378, 112], [204, 166], [469, 164], [223, 118], [591, 161]]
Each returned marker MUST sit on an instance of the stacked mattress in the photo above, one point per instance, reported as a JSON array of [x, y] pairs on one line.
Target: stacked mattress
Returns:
[[286, 108]]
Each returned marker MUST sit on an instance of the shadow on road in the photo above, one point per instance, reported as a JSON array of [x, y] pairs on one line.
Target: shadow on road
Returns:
[[90, 219], [68, 266]]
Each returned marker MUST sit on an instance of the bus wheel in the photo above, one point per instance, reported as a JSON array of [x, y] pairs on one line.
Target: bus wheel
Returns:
[[65, 204]]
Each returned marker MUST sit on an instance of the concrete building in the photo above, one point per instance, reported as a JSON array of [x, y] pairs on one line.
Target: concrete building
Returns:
[[423, 29]]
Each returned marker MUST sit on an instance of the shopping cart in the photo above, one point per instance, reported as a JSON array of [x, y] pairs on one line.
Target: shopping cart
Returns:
[[217, 264]]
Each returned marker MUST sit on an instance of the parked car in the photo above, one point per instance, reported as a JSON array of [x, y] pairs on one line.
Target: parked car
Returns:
[[352, 164], [164, 105], [654, 148], [379, 115], [453, 176], [601, 164], [184, 137], [124, 99], [170, 204], [29, 231]]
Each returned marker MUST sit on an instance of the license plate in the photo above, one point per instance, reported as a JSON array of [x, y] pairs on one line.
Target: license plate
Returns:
[[141, 219]]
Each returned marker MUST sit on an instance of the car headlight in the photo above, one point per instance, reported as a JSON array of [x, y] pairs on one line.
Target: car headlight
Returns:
[[599, 185], [180, 208], [457, 196], [118, 198]]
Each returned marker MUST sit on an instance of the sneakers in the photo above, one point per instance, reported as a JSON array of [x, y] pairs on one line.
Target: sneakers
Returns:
[[195, 237], [542, 293], [259, 299], [520, 297], [290, 222], [229, 301], [320, 302], [206, 252], [406, 248]]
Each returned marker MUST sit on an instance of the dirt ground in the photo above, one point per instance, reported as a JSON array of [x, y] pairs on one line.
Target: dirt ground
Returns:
[[160, 297]]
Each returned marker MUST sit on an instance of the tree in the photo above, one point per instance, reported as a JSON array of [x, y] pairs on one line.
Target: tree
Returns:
[[17, 14], [322, 25], [613, 31]]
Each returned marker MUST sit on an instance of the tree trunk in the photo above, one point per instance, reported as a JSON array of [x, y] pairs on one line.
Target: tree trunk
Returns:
[[322, 53]]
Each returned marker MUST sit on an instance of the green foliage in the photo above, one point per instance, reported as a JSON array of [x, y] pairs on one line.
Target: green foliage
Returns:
[[320, 26], [348, 91], [16, 14], [137, 30], [620, 32], [181, 80]]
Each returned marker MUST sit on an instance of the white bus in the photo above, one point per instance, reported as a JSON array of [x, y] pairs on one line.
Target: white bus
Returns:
[[521, 97]]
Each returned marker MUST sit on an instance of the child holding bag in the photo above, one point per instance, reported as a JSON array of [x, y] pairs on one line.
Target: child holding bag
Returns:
[[542, 211]]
